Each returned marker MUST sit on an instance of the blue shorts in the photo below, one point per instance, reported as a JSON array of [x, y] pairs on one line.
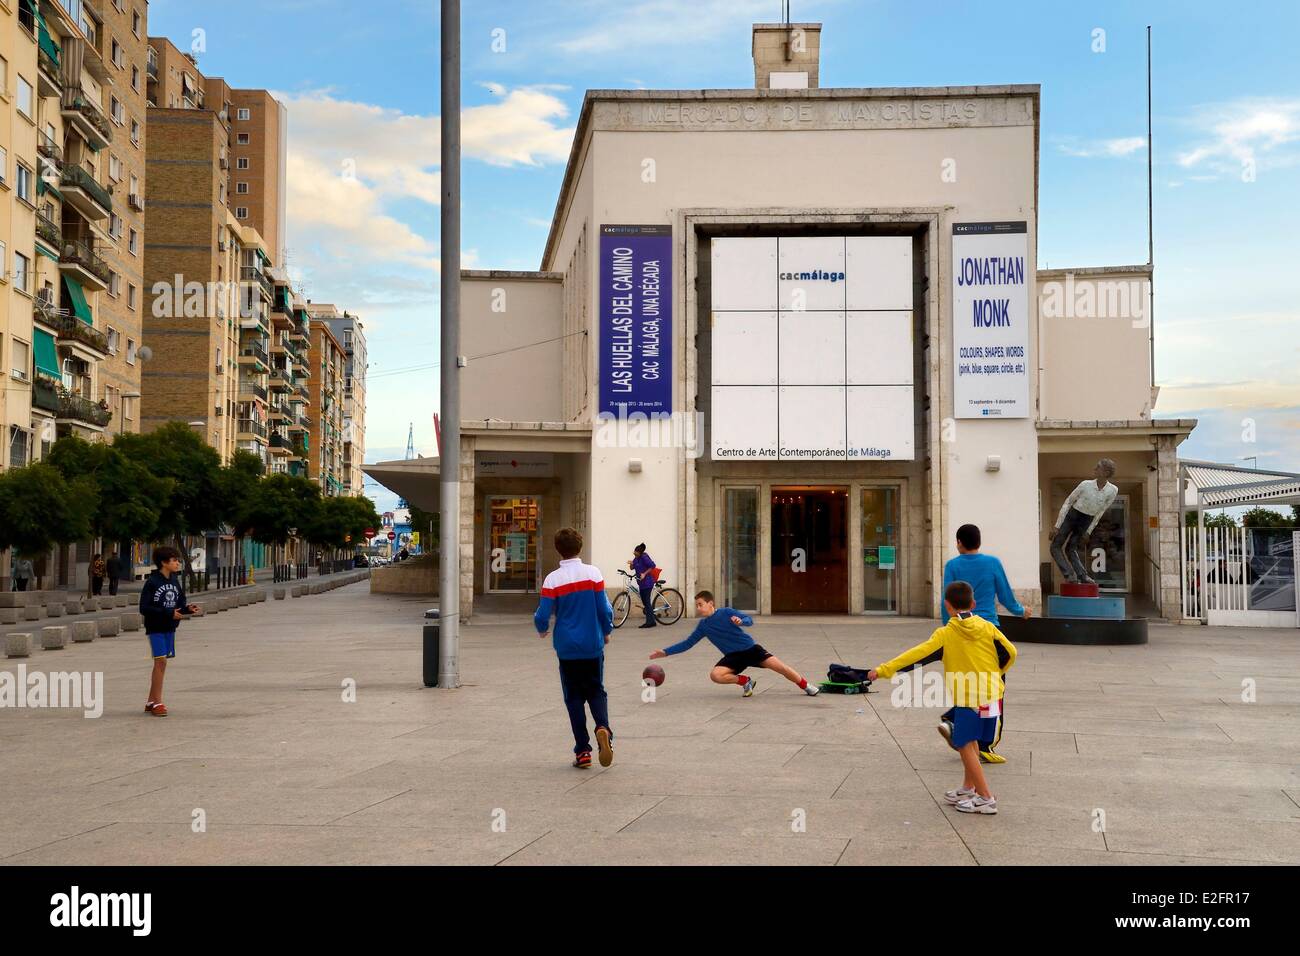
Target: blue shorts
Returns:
[[162, 644], [968, 725]]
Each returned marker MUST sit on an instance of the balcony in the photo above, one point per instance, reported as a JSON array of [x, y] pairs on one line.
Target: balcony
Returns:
[[249, 274], [46, 312], [254, 323], [281, 381], [136, 202], [279, 412], [279, 444], [79, 260], [48, 147], [248, 429], [45, 394], [249, 354], [86, 117], [71, 330], [75, 408], [151, 65], [48, 231], [251, 391], [49, 80], [81, 190]]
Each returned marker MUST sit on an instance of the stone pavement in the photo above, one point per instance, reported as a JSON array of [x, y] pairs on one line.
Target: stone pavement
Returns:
[[263, 749]]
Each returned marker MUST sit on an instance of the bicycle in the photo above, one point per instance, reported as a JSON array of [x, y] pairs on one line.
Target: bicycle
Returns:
[[667, 603]]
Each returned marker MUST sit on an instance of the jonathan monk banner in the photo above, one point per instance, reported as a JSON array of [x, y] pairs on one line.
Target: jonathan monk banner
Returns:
[[636, 330], [990, 319]]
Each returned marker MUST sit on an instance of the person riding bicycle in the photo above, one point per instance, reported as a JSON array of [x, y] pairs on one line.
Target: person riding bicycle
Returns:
[[643, 566]]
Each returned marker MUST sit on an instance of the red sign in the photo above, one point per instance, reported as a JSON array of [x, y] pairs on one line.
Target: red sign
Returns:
[[392, 536], [370, 533]]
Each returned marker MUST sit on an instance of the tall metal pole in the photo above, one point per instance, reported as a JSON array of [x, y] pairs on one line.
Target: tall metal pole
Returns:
[[1151, 235], [449, 462]]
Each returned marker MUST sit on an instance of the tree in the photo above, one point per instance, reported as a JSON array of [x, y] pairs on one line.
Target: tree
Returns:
[[1265, 518], [39, 508], [1221, 520], [176, 451], [280, 506], [238, 482], [126, 496]]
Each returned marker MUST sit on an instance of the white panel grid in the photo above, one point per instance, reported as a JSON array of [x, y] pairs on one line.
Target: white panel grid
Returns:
[[845, 377]]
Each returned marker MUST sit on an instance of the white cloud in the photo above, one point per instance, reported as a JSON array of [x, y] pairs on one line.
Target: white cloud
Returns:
[[656, 24], [1245, 131], [1104, 148]]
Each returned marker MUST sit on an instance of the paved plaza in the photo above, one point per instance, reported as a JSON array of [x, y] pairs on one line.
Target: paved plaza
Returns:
[[1125, 755]]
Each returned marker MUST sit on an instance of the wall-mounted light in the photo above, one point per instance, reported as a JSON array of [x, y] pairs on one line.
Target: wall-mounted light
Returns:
[[993, 463], [634, 465]]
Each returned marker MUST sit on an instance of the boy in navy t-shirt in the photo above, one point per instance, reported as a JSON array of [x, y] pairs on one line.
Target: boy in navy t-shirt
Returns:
[[722, 626]]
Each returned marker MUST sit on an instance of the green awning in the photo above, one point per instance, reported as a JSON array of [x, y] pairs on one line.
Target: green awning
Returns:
[[77, 297], [43, 187], [47, 41], [46, 252], [47, 356]]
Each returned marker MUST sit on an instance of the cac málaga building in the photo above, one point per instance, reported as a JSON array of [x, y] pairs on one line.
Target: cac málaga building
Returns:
[[791, 338]]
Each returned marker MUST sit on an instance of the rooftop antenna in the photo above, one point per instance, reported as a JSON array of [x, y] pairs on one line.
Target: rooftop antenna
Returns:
[[785, 21], [1151, 241], [410, 454]]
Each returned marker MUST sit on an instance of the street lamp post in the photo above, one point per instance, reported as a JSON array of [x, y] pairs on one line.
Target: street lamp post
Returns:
[[449, 404]]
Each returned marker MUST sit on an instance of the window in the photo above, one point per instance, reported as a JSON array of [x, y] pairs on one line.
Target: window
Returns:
[[130, 351], [135, 132], [244, 114], [133, 243], [135, 185], [22, 270], [241, 162], [241, 189], [114, 168], [114, 225], [22, 359], [25, 98], [18, 440], [119, 58], [4, 167], [4, 263], [241, 212], [241, 139], [4, 75], [115, 109], [135, 22], [113, 339], [26, 181], [130, 297], [114, 284], [135, 78]]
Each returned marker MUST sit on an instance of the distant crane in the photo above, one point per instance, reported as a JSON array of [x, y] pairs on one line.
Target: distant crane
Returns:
[[410, 454]]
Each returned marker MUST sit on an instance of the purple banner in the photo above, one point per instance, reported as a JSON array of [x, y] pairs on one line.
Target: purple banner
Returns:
[[636, 329]]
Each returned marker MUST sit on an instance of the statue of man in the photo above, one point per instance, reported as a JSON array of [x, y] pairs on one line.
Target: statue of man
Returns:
[[1079, 515]]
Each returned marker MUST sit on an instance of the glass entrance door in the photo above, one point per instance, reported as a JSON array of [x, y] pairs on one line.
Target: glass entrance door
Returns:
[[880, 535], [740, 548], [810, 546], [1107, 558], [512, 558]]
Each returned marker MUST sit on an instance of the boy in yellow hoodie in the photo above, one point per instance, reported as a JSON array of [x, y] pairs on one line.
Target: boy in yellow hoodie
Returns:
[[973, 678]]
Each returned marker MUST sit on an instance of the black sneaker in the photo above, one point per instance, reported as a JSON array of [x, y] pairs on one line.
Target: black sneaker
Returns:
[[583, 760]]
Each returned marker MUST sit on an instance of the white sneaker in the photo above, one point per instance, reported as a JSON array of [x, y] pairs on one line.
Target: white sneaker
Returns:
[[812, 690], [978, 804], [955, 797]]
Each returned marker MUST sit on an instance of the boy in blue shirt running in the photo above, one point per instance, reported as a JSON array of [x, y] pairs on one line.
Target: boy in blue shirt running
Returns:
[[722, 626]]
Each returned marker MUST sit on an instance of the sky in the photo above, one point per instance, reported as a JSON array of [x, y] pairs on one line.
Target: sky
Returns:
[[361, 87]]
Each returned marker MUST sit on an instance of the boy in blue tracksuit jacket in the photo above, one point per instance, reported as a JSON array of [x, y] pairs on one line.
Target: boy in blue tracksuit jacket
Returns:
[[722, 626], [575, 593], [163, 605]]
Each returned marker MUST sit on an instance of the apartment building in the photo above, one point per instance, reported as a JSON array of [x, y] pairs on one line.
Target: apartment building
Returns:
[[209, 270], [76, 231], [348, 329], [290, 347], [325, 462], [260, 127]]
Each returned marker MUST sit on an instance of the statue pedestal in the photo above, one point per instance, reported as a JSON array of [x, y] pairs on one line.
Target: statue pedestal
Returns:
[[1079, 590]]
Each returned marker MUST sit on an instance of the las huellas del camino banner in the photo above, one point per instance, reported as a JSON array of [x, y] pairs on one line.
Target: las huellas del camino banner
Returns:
[[990, 319], [636, 371]]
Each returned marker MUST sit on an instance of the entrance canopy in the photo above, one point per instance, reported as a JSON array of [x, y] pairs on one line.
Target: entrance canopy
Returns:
[[1211, 485], [414, 479]]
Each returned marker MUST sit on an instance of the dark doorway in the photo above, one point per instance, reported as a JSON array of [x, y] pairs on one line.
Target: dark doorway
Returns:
[[810, 545]]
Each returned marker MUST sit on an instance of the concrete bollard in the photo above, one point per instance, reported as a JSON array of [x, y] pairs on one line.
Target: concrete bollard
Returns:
[[32, 613], [242, 598], [109, 626], [18, 645], [121, 600], [279, 594], [10, 615], [54, 610], [73, 606], [298, 590], [83, 632], [132, 621], [54, 638], [13, 598]]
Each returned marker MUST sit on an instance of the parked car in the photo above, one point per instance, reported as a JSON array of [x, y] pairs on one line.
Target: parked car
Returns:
[[361, 561]]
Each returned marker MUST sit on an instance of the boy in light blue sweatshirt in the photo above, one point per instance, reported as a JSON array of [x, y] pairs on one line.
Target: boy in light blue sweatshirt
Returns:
[[722, 626]]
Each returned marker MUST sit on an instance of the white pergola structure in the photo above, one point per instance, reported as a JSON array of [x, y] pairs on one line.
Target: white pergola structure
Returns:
[[1224, 579]]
